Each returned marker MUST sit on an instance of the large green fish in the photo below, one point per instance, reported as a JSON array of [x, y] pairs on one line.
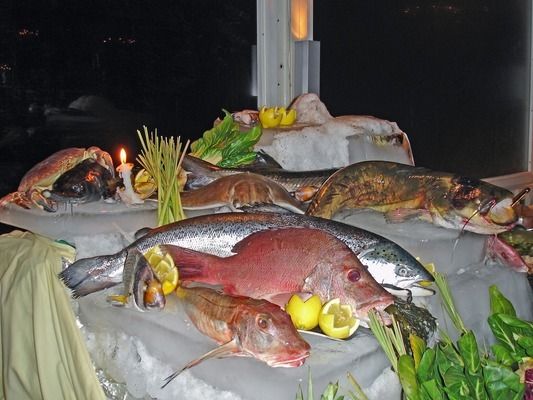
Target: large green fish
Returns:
[[403, 191]]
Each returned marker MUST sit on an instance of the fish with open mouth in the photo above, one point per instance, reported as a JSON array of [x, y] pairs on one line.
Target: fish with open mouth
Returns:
[[403, 191], [390, 265], [234, 191], [301, 184], [244, 327], [275, 263]]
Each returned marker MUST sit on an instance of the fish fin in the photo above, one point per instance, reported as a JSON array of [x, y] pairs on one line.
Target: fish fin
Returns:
[[227, 349], [141, 232], [261, 208], [191, 264], [81, 279], [305, 193], [281, 299], [404, 214]]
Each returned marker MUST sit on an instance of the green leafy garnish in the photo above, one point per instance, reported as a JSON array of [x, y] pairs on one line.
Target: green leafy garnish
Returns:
[[226, 145]]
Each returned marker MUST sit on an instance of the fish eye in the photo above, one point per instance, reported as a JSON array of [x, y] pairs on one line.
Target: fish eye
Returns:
[[354, 275], [261, 321], [402, 271]]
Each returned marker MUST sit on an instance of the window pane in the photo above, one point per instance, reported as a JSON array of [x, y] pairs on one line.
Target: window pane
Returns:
[[453, 74]]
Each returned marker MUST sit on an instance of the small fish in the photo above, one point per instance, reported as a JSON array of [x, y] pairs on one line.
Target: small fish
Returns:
[[275, 263], [86, 182], [139, 280], [217, 234], [302, 184], [235, 191], [402, 191], [243, 327]]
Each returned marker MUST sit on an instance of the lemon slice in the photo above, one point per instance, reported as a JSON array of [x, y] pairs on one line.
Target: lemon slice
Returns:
[[164, 269], [430, 267], [144, 184], [304, 314], [337, 320]]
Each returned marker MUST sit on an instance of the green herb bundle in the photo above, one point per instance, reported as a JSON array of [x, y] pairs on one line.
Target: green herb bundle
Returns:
[[161, 158], [450, 371], [225, 145]]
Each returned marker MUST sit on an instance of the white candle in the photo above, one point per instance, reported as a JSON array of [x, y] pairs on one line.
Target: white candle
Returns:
[[127, 195]]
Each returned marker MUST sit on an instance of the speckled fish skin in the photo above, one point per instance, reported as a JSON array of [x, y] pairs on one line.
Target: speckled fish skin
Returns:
[[216, 234], [447, 200]]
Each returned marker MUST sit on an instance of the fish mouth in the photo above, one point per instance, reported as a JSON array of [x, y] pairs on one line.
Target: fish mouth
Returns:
[[289, 363], [417, 289]]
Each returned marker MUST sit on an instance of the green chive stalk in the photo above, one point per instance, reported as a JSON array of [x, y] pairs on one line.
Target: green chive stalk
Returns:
[[161, 158]]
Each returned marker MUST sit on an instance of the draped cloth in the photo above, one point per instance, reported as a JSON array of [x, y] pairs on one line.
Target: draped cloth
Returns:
[[42, 352]]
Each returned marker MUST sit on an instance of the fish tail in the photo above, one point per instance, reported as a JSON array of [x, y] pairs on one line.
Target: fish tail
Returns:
[[86, 276], [192, 265]]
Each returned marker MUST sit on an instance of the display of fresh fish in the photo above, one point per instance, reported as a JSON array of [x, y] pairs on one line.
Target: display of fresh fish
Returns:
[[303, 184], [389, 264], [87, 181], [275, 263], [234, 191], [403, 191], [243, 327]]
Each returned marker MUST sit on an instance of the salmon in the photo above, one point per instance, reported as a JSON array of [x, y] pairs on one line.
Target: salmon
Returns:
[[275, 263], [390, 265]]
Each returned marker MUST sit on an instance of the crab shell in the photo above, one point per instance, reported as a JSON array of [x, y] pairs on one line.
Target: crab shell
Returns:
[[43, 175]]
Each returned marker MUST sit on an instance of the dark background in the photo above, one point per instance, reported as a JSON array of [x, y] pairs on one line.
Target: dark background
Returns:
[[453, 74]]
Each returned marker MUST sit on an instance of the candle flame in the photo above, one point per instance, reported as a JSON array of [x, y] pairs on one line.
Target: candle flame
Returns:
[[123, 156]]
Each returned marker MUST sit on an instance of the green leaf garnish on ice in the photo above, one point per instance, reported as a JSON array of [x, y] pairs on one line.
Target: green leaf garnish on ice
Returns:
[[226, 145]]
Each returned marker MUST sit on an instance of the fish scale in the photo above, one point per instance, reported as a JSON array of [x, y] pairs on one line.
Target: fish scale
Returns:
[[216, 234]]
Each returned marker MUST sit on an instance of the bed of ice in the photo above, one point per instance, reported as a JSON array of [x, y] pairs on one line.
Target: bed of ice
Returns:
[[140, 349], [133, 351]]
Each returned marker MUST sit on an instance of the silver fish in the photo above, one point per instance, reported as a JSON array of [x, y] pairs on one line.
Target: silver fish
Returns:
[[303, 184], [389, 264]]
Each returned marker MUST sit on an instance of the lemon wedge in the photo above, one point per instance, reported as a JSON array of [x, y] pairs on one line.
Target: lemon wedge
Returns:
[[164, 269], [304, 314], [144, 184], [336, 320]]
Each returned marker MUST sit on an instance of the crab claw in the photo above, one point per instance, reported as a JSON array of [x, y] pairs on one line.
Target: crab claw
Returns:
[[42, 202]]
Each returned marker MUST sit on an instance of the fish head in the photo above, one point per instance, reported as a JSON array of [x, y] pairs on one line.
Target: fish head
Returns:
[[478, 206], [397, 270], [348, 280], [267, 333]]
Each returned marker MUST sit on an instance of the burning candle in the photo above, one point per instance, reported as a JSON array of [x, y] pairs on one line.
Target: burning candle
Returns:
[[127, 195]]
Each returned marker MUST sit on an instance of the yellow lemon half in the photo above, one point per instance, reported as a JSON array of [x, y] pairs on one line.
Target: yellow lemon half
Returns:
[[164, 269], [336, 320], [143, 184], [304, 314]]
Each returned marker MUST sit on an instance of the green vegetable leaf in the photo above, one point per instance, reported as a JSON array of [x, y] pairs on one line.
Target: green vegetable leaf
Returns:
[[469, 351], [502, 332], [502, 354], [451, 353], [407, 375], [526, 342], [499, 304], [501, 382], [426, 368], [432, 390], [526, 327], [418, 346]]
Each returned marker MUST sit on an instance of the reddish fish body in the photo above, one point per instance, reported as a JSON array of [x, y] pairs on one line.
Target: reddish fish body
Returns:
[[272, 263], [243, 327]]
